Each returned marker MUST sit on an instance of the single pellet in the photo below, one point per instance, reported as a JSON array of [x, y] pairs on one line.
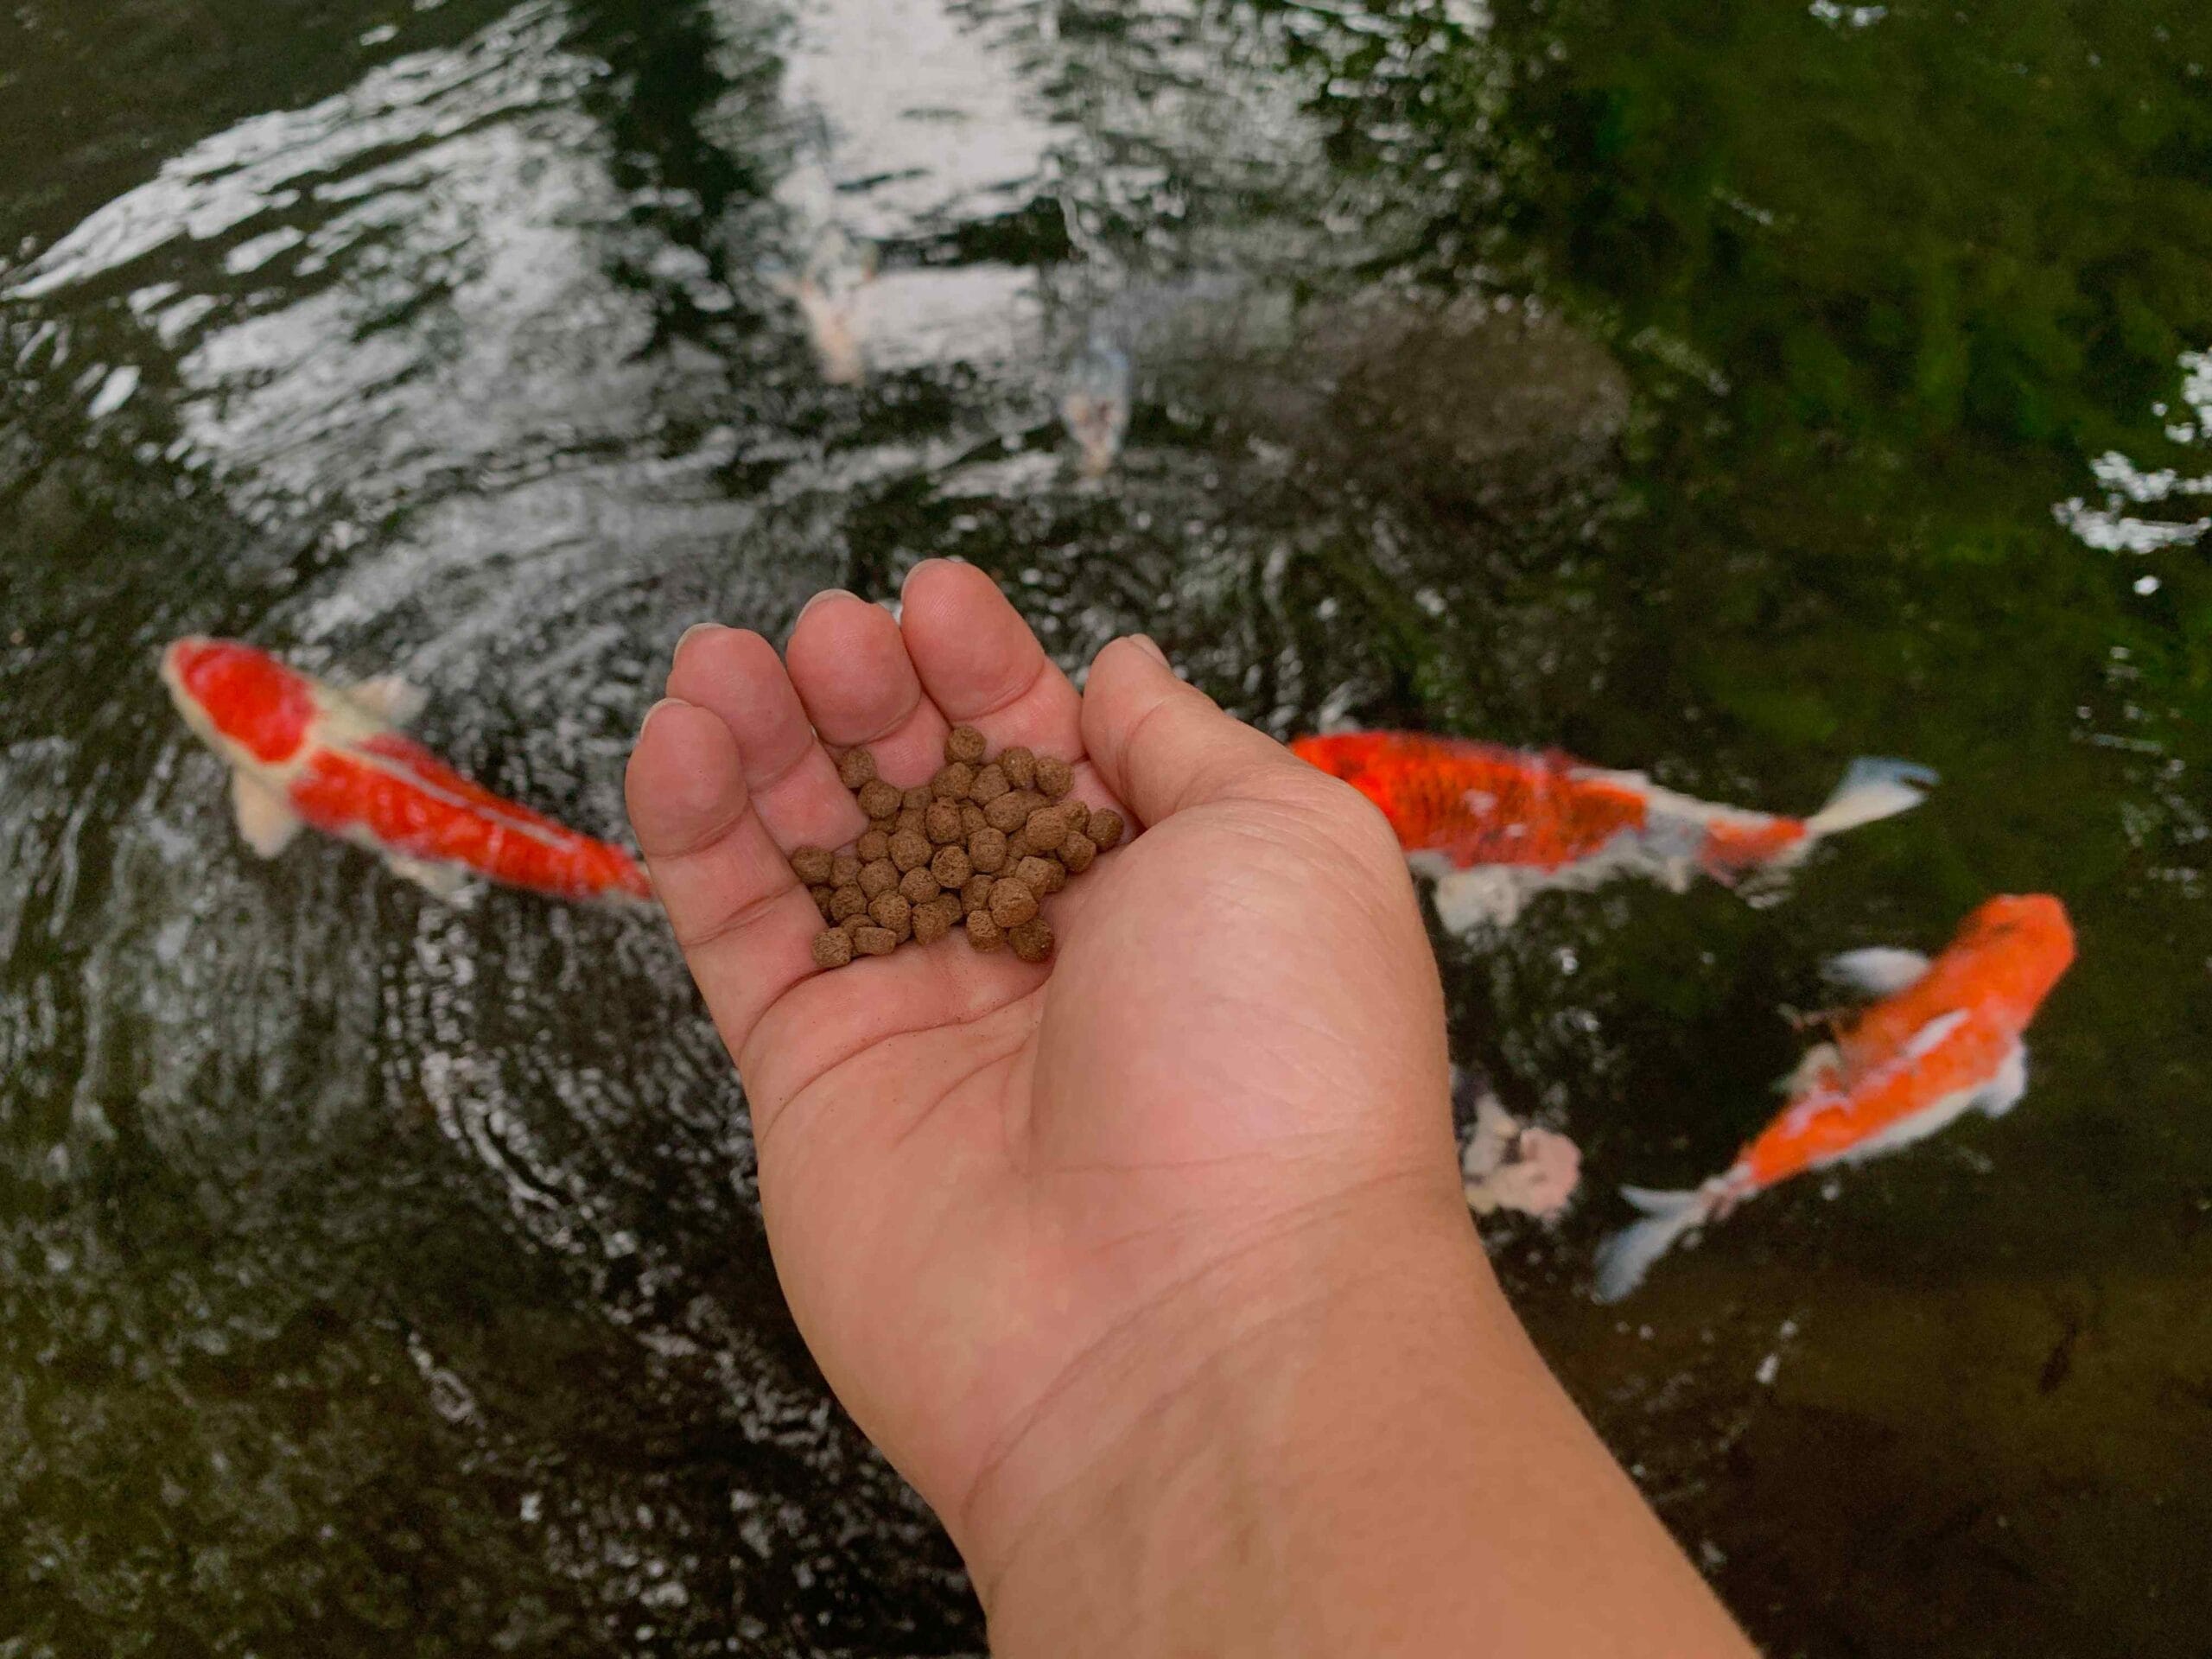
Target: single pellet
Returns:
[[918, 886], [917, 800], [879, 878], [1104, 829], [964, 744], [1078, 814], [822, 895], [890, 910], [1042, 876], [971, 819], [1031, 940], [877, 799], [1019, 766], [909, 850], [847, 901], [1076, 852], [987, 850], [875, 844], [855, 766], [1011, 811], [975, 895], [951, 867], [844, 870], [991, 782], [875, 941], [982, 932], [811, 865], [911, 820], [937, 919], [1046, 828], [953, 781], [1055, 777], [1011, 902], [941, 823], [833, 948]]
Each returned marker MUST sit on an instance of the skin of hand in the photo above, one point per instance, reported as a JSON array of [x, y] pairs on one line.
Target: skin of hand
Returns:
[[1150, 1266]]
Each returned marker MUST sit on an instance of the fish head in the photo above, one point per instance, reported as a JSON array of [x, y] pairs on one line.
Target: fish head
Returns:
[[2027, 939], [242, 701], [1355, 758]]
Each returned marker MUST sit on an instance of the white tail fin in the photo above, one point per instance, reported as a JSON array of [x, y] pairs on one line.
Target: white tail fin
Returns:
[[1623, 1259], [1870, 790]]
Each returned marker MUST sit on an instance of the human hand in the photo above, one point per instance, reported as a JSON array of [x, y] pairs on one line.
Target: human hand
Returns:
[[1068, 1238]]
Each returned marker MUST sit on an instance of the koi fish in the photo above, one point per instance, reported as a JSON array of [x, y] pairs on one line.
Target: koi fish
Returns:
[[304, 753], [827, 291], [1943, 1040], [1095, 404], [1496, 826]]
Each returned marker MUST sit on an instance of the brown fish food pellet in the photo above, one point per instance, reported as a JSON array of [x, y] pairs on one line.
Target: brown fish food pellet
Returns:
[[877, 799], [941, 823], [1009, 813], [1011, 902], [978, 847], [1042, 876], [987, 850]]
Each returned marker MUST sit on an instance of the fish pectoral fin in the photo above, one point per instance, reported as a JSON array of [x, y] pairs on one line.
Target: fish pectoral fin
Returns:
[[266, 821], [1822, 1056], [1878, 971], [446, 881], [2002, 1092], [389, 698]]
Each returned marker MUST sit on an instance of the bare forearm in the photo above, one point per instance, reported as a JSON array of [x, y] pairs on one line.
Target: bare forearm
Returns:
[[1388, 1470]]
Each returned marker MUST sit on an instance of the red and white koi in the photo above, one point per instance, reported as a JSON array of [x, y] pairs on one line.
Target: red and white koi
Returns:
[[304, 753], [1495, 826], [1945, 1039]]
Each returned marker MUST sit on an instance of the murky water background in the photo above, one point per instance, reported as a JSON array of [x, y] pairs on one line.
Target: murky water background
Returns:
[[1723, 389]]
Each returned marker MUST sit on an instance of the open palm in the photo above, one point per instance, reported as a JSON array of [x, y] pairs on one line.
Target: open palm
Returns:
[[1015, 1207]]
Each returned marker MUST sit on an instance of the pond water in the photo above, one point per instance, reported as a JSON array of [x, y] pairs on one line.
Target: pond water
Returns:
[[1723, 389]]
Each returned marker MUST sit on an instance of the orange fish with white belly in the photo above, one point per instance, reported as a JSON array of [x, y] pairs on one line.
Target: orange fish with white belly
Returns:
[[301, 752], [1496, 825], [1944, 1039]]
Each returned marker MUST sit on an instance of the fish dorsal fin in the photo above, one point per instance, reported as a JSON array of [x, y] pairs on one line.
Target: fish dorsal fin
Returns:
[[1876, 971], [266, 821], [1930, 1037], [389, 697], [446, 881]]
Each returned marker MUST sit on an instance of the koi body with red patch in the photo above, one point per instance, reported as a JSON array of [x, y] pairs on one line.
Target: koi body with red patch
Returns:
[[304, 753], [1944, 1038], [1496, 825]]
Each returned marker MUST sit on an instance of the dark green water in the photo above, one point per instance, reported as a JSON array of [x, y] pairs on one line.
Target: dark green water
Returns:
[[1699, 386]]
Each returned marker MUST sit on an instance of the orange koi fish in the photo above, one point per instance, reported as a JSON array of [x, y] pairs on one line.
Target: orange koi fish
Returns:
[[1944, 1038], [301, 752], [1496, 825]]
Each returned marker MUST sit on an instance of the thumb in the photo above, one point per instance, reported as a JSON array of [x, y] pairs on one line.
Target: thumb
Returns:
[[1161, 746]]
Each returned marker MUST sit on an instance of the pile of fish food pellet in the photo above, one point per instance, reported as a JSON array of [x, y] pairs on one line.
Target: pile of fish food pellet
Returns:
[[979, 848]]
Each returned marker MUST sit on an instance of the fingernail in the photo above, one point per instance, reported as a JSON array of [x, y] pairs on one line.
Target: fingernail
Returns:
[[684, 638], [827, 593], [1143, 642], [666, 703]]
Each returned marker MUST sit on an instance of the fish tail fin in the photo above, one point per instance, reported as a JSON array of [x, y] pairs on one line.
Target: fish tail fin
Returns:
[[1871, 789], [1623, 1259]]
